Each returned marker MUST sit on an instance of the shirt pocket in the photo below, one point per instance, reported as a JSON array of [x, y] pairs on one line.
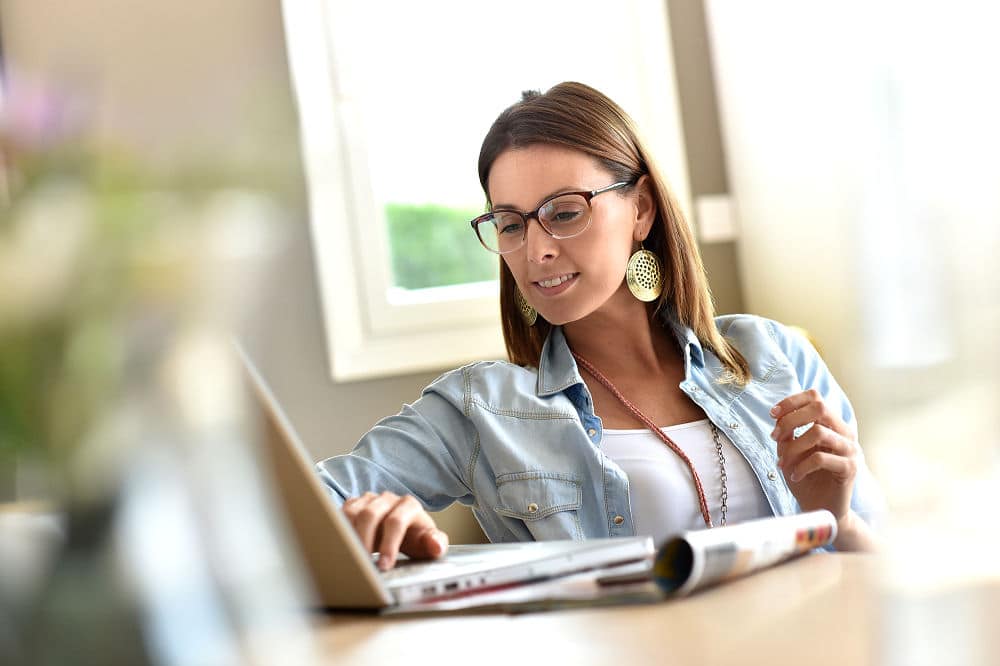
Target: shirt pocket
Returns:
[[548, 503]]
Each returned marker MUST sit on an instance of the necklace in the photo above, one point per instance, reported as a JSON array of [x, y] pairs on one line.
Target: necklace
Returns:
[[670, 443]]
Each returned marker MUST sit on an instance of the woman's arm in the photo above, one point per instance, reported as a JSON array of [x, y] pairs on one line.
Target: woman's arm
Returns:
[[407, 464]]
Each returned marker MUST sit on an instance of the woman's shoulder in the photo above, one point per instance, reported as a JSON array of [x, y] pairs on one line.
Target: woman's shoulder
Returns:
[[752, 332], [484, 378], [749, 325]]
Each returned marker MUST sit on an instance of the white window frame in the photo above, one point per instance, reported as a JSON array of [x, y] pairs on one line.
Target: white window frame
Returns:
[[373, 329]]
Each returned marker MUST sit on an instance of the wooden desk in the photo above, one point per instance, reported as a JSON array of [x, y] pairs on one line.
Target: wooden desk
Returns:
[[814, 610], [822, 609]]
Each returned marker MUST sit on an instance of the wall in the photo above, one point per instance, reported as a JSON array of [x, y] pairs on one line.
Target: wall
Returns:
[[702, 136]]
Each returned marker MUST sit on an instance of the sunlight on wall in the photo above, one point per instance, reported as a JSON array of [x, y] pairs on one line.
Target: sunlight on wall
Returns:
[[864, 158]]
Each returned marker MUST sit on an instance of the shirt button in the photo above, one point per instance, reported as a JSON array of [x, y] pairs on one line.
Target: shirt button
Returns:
[[772, 475], [734, 425], [532, 508], [619, 520], [591, 432]]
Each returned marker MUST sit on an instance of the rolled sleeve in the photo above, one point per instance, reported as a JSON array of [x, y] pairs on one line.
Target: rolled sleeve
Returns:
[[422, 451]]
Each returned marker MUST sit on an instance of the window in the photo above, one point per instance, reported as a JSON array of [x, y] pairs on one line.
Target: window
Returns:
[[393, 108]]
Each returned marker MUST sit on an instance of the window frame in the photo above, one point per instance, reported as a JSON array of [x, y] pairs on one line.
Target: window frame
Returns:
[[371, 327]]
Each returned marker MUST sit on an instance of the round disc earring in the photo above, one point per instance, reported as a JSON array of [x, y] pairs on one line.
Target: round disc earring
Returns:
[[528, 313], [644, 275]]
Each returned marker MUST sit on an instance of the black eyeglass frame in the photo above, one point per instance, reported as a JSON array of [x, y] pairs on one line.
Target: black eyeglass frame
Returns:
[[527, 215]]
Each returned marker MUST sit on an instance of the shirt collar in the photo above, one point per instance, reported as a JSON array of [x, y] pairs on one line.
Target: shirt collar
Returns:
[[689, 343], [557, 369]]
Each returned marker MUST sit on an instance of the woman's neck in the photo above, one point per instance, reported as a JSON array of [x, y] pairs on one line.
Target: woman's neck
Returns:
[[623, 338]]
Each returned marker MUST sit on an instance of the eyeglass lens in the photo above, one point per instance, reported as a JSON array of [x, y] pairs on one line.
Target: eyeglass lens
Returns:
[[562, 217]]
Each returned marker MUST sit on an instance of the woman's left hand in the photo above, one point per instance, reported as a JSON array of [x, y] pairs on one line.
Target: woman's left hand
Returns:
[[821, 464]]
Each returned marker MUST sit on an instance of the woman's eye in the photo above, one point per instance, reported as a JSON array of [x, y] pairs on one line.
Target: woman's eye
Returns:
[[563, 214], [509, 227], [566, 216]]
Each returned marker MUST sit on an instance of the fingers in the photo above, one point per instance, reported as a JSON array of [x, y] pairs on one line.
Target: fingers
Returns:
[[366, 513], [818, 437], [426, 543], [802, 409], [407, 515], [388, 523], [818, 441], [840, 467], [809, 412], [794, 402]]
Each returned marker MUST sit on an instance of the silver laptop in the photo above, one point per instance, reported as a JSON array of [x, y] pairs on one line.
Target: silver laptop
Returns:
[[345, 575]]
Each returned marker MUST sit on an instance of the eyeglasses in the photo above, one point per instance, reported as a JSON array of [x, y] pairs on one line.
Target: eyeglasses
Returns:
[[562, 216]]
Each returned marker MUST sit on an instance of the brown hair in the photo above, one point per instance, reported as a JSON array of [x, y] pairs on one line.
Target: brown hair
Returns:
[[578, 117]]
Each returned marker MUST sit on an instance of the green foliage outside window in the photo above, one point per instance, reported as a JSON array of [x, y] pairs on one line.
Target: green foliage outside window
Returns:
[[433, 246]]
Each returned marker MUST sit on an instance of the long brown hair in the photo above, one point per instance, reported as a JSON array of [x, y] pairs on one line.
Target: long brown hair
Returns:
[[577, 116]]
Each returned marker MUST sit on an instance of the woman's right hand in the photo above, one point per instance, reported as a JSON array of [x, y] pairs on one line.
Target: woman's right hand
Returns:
[[390, 524]]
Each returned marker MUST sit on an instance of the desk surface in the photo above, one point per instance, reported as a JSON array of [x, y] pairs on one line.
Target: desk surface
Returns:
[[789, 609], [822, 609]]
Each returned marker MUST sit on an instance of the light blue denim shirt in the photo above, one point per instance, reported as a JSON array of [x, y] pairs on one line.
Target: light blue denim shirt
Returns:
[[523, 447]]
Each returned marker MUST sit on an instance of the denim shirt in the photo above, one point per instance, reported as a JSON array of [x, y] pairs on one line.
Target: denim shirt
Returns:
[[523, 447]]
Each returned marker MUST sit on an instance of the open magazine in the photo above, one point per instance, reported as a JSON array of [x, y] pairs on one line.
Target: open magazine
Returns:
[[698, 558], [684, 563]]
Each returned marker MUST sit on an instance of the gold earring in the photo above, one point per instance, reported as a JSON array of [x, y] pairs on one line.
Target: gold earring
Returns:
[[644, 275], [528, 313]]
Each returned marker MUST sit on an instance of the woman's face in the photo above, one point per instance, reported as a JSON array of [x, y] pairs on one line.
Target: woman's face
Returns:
[[569, 279]]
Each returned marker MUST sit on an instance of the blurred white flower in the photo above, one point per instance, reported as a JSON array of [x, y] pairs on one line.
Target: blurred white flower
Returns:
[[41, 251]]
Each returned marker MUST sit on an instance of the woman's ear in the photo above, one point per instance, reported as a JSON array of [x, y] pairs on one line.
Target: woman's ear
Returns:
[[645, 207]]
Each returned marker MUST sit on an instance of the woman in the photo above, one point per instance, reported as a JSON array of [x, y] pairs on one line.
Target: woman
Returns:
[[626, 407]]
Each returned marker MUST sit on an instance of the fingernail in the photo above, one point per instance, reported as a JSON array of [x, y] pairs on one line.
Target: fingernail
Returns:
[[780, 462], [441, 541], [775, 410], [795, 476], [385, 563], [774, 434]]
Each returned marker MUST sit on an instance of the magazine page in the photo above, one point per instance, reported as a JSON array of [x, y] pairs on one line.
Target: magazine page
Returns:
[[698, 558]]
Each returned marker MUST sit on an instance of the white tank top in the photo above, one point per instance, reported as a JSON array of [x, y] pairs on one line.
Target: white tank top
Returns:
[[661, 491]]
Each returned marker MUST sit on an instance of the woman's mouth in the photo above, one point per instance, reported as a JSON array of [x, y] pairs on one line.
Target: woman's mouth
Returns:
[[556, 284]]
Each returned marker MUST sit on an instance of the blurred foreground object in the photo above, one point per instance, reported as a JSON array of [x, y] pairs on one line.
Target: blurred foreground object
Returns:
[[120, 395], [866, 184]]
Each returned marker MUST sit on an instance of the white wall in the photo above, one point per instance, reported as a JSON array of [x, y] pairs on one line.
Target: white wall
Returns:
[[862, 147]]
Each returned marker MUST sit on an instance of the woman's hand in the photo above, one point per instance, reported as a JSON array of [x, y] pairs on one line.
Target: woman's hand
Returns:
[[390, 524], [821, 464]]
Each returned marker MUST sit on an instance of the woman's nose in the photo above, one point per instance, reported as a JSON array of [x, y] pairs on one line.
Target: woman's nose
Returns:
[[540, 246]]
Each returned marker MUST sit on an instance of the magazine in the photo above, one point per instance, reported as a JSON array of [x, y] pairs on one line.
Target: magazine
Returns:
[[689, 561], [698, 558]]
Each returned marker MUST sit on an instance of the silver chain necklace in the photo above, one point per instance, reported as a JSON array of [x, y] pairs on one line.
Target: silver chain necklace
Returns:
[[722, 471]]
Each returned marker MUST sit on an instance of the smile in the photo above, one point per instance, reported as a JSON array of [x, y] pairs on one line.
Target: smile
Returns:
[[556, 281], [556, 284]]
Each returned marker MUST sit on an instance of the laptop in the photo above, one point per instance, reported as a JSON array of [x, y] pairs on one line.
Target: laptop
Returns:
[[344, 573]]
